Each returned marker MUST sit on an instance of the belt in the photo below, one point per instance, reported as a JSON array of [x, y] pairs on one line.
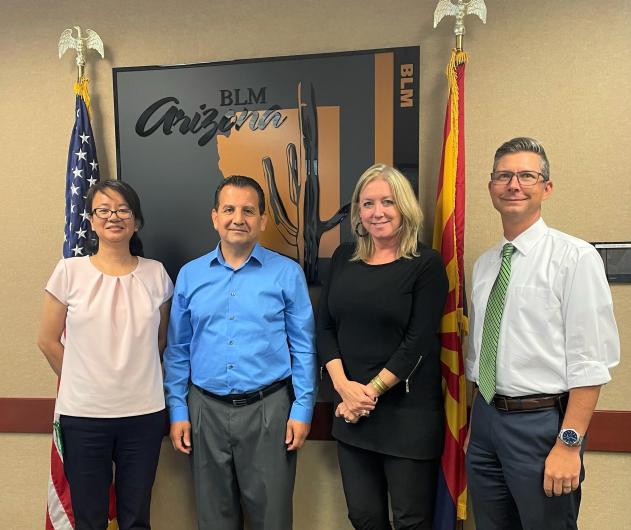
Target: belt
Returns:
[[241, 400], [515, 404]]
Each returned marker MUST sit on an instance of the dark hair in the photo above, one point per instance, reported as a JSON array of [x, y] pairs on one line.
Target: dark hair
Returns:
[[131, 198], [239, 181], [521, 144]]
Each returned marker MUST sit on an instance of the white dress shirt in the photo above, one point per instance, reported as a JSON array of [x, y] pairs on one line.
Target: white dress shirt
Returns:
[[558, 329]]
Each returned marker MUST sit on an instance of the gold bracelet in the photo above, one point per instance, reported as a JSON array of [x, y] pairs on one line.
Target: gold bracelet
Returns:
[[379, 385], [381, 381], [376, 387], [381, 389]]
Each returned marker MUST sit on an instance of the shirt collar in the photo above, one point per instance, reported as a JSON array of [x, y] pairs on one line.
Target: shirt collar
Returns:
[[526, 241], [256, 256]]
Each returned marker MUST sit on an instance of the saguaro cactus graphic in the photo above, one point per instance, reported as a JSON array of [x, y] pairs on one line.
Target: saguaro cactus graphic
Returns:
[[314, 226], [288, 229]]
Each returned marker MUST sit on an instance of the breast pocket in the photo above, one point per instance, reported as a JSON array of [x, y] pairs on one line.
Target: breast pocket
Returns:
[[538, 309]]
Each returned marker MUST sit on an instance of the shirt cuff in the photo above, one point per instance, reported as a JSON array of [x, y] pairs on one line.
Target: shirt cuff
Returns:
[[591, 373], [300, 413], [470, 374], [178, 414]]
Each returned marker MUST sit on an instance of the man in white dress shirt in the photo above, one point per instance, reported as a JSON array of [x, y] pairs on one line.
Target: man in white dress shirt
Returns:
[[543, 338]]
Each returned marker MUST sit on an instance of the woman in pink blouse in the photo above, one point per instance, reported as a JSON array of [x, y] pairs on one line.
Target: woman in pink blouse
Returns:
[[102, 331]]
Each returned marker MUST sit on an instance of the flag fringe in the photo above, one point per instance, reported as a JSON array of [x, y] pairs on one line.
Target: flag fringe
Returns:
[[81, 89], [457, 58]]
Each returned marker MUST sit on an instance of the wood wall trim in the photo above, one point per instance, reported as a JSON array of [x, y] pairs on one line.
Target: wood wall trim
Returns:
[[610, 430], [27, 415], [322, 421]]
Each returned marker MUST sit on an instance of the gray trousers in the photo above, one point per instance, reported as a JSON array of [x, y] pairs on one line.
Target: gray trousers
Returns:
[[505, 463], [240, 462]]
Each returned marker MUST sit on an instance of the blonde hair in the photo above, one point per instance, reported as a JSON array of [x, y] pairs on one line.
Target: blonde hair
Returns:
[[405, 202]]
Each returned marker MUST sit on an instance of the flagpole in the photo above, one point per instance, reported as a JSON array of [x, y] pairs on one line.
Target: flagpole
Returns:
[[81, 173], [451, 494], [459, 43], [80, 64]]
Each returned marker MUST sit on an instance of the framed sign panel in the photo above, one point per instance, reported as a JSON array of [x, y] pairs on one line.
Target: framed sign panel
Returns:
[[617, 260], [305, 127]]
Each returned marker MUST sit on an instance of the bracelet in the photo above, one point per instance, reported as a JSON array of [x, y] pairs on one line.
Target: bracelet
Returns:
[[379, 385]]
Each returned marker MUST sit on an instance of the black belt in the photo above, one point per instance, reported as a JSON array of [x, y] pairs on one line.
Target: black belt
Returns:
[[525, 403], [241, 400]]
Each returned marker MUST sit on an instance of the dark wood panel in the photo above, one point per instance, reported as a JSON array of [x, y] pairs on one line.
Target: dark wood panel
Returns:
[[322, 421], [610, 430], [26, 414]]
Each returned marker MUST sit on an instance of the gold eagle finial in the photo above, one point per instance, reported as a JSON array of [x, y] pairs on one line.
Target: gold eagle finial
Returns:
[[460, 9], [81, 45]]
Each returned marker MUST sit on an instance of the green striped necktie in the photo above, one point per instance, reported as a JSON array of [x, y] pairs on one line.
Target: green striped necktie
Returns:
[[491, 328]]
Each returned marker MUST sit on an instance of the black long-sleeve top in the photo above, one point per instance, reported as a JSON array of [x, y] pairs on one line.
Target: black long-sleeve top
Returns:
[[376, 316]]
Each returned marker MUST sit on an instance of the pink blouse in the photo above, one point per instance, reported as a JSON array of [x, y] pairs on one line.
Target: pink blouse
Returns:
[[111, 366]]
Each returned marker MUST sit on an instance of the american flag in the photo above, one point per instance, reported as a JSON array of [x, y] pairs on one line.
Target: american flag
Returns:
[[81, 173]]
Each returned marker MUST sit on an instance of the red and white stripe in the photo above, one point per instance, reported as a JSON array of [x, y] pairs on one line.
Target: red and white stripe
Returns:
[[59, 511]]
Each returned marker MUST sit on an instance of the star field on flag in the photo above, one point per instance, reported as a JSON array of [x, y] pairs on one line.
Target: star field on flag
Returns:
[[82, 173]]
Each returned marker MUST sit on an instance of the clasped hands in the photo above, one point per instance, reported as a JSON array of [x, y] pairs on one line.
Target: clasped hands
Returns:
[[357, 401]]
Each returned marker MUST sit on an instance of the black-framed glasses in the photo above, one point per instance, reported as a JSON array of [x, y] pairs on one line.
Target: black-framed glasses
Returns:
[[106, 213], [525, 178]]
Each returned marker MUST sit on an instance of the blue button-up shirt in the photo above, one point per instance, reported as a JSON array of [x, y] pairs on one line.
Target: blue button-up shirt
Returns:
[[239, 330]]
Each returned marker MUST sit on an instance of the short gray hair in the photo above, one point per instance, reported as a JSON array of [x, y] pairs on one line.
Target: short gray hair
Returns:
[[519, 145]]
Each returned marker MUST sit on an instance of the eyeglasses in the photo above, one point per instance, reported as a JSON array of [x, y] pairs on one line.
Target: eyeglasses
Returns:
[[525, 178], [106, 213]]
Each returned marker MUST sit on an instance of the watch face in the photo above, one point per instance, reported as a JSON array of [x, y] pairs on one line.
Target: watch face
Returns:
[[570, 437]]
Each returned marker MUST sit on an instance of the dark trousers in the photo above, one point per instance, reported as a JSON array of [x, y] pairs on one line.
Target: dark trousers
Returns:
[[368, 477], [505, 464], [91, 445], [240, 462]]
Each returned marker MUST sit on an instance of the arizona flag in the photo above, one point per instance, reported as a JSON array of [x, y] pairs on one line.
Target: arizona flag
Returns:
[[451, 498], [82, 172]]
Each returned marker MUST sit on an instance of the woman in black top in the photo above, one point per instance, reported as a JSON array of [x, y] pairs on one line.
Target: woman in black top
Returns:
[[377, 335]]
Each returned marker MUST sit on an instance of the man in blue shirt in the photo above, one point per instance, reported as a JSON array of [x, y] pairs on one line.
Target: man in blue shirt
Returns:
[[240, 368]]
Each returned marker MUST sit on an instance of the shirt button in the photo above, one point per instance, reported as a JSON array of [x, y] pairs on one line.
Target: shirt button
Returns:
[[232, 293], [231, 342]]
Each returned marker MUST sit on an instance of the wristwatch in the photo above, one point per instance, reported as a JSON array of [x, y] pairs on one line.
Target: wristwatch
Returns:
[[570, 437]]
